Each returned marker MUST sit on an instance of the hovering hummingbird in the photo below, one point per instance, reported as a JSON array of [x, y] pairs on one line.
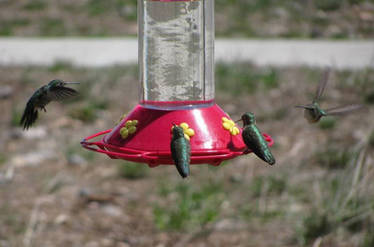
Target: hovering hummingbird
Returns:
[[54, 91], [180, 151], [313, 112], [254, 140]]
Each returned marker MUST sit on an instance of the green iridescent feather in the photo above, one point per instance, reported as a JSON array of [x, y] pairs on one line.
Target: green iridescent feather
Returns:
[[180, 151]]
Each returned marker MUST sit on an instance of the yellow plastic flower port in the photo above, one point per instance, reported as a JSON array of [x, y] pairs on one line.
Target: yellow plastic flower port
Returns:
[[229, 125], [188, 132], [128, 129]]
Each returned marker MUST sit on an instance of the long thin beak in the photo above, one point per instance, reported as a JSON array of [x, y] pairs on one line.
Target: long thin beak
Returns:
[[302, 106], [72, 82], [237, 121]]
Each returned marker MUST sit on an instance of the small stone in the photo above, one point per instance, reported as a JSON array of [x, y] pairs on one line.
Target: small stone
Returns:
[[92, 244], [107, 242], [61, 219], [76, 159], [112, 210], [229, 225], [122, 244], [5, 92], [32, 158], [35, 133]]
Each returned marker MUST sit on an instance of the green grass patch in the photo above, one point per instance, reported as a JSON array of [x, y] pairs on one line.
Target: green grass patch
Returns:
[[255, 210], [127, 9], [11, 221], [35, 5], [61, 65], [99, 7], [2, 158], [270, 185], [187, 206], [5, 29], [333, 158], [52, 27], [7, 26], [77, 149], [314, 225], [371, 139], [369, 238], [86, 113], [328, 5], [369, 97], [244, 78], [16, 117], [132, 170], [343, 201]]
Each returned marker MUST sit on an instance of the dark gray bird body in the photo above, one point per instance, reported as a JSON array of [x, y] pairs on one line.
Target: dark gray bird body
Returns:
[[254, 140], [313, 112], [180, 151], [53, 91]]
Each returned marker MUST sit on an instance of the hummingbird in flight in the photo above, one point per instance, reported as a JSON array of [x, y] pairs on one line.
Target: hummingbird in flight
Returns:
[[55, 90], [254, 140], [180, 151], [313, 112]]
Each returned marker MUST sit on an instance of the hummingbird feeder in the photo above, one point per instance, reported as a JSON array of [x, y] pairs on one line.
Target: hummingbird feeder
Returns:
[[176, 63]]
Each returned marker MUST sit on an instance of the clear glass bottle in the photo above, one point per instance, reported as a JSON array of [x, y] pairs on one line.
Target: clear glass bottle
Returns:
[[176, 53]]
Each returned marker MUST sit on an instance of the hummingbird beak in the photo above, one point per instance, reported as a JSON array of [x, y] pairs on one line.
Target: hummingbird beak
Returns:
[[237, 121], [72, 82], [303, 106]]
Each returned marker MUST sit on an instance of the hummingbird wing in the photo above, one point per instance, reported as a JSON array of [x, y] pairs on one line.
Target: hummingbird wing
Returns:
[[59, 93], [341, 110], [29, 116], [322, 85]]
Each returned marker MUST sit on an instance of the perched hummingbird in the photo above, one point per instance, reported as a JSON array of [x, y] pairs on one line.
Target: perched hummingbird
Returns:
[[54, 90], [254, 140], [180, 151], [313, 112]]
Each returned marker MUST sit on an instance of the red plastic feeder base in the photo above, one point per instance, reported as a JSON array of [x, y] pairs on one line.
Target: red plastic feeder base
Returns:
[[150, 143]]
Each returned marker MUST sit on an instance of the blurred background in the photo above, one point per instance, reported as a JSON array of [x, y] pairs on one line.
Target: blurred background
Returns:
[[320, 193]]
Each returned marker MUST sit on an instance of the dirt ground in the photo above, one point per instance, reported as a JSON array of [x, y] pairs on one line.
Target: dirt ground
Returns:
[[55, 193]]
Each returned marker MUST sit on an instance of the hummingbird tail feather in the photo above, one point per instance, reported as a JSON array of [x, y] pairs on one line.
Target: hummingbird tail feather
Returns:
[[29, 116], [184, 171]]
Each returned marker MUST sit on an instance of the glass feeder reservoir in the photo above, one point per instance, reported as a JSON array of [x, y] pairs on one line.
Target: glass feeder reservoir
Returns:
[[176, 47], [176, 77]]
